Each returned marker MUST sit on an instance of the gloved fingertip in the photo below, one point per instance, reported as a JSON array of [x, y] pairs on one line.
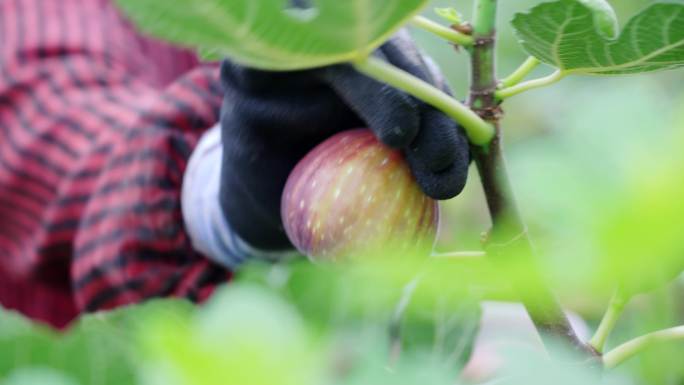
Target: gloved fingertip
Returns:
[[444, 184], [440, 142]]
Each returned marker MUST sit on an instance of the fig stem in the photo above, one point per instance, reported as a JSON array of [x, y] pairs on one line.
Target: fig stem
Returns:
[[507, 92], [479, 131], [509, 244], [610, 318], [633, 347], [446, 33], [520, 73]]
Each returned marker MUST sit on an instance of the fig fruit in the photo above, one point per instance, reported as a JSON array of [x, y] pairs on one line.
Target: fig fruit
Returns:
[[353, 196]]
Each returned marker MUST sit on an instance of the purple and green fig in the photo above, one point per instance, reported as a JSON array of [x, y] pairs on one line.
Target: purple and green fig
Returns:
[[353, 196]]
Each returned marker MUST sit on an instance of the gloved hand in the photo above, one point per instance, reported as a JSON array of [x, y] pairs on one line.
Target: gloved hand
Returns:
[[271, 120]]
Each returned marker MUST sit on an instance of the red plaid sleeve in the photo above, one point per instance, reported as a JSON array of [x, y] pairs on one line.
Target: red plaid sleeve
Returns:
[[96, 126]]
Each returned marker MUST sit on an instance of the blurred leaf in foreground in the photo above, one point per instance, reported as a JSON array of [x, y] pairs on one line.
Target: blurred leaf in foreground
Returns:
[[441, 330], [661, 362], [275, 34], [642, 238], [346, 293], [243, 335], [100, 346], [428, 306], [363, 358], [37, 376], [527, 366], [602, 170]]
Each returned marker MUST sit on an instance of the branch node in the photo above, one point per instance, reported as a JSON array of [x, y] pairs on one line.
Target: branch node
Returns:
[[464, 28], [483, 41], [489, 113]]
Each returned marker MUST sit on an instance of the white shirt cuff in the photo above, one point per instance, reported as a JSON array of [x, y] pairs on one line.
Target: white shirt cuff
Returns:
[[207, 227]]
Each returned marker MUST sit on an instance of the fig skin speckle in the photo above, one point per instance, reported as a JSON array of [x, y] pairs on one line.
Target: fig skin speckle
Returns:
[[353, 196]]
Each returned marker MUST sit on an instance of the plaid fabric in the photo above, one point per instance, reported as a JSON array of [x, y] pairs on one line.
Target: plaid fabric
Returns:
[[96, 126]]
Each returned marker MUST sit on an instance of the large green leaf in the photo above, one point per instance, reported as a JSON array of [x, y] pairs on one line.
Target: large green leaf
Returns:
[[272, 34], [567, 35]]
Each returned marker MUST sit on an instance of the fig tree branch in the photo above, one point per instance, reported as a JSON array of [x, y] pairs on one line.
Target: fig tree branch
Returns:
[[509, 243]]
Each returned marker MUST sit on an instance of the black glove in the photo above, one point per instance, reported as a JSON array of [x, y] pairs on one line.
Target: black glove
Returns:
[[271, 120]]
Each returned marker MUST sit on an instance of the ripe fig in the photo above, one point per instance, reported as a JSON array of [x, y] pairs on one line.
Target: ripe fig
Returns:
[[353, 196]]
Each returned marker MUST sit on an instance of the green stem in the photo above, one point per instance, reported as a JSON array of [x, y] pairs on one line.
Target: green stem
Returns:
[[615, 308], [479, 131], [442, 31], [627, 350], [485, 18], [519, 74], [529, 85]]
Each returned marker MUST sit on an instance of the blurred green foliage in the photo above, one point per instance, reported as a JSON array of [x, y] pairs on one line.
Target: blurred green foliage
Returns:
[[597, 167], [253, 331]]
